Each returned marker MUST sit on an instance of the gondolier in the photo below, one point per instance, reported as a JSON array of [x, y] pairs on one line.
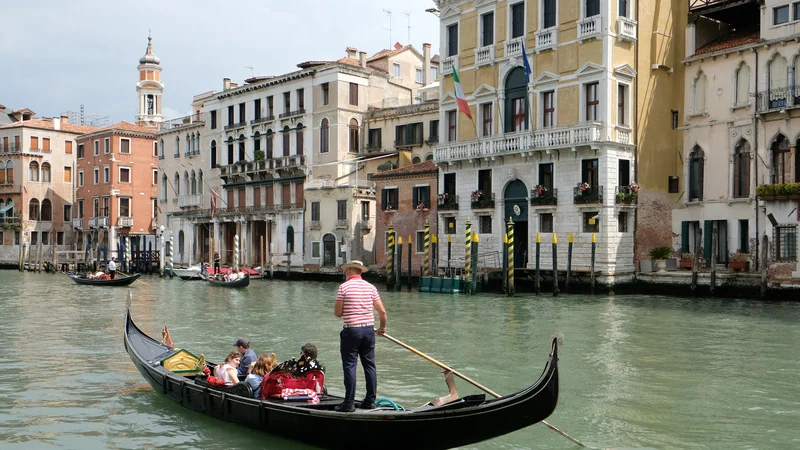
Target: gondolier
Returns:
[[112, 268], [354, 302]]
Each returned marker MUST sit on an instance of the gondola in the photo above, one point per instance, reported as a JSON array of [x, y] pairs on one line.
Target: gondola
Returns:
[[241, 282], [118, 281], [465, 421]]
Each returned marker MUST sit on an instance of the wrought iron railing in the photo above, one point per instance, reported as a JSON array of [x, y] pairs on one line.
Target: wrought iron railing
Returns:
[[448, 203], [625, 195], [544, 196], [408, 142], [482, 200], [588, 194]]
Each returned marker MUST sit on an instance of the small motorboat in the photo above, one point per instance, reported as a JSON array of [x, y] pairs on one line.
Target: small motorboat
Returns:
[[194, 272], [118, 281]]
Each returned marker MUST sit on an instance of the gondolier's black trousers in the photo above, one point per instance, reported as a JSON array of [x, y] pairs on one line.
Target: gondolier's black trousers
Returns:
[[355, 343]]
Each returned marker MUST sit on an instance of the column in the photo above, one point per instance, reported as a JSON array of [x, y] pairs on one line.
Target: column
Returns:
[[501, 129], [791, 177]]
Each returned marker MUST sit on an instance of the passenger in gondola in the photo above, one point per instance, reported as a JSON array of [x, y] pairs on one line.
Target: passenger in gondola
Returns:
[[306, 362], [228, 370], [248, 356], [258, 370]]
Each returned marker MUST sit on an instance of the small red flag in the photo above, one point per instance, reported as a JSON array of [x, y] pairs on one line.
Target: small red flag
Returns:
[[165, 338]]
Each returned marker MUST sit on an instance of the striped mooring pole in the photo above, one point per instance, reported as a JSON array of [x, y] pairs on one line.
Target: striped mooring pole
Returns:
[[390, 260], [427, 244], [505, 261], [235, 253], [555, 265], [474, 283], [468, 253], [510, 233]]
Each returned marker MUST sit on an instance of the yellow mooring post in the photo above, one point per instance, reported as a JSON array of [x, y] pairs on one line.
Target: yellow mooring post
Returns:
[[390, 261], [510, 232], [475, 266], [427, 244], [468, 254]]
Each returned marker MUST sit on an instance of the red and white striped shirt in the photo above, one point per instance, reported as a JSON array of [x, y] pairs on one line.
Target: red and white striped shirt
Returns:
[[357, 297]]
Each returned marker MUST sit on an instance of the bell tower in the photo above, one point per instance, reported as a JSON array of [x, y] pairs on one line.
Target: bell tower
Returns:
[[149, 88]]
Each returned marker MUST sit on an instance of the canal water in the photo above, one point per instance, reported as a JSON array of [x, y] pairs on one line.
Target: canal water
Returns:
[[636, 371]]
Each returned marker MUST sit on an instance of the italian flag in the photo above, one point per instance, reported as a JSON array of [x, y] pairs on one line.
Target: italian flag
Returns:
[[462, 100]]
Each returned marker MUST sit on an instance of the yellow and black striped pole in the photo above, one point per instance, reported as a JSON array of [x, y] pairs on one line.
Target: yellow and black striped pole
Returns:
[[426, 271], [475, 265], [468, 253], [505, 261], [510, 233], [555, 265], [390, 260], [594, 245], [538, 281]]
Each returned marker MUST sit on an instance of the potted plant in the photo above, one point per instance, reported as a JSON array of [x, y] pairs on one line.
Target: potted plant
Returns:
[[739, 261], [686, 260], [660, 255]]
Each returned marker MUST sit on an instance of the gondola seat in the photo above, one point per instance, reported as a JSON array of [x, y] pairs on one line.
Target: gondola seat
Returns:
[[241, 388], [276, 382]]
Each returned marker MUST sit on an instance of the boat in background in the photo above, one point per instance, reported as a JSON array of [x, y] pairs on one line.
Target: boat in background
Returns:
[[194, 272], [118, 281]]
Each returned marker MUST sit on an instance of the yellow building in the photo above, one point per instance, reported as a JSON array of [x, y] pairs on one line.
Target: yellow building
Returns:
[[565, 148]]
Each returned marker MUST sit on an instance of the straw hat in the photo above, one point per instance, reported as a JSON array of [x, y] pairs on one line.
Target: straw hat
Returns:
[[355, 264]]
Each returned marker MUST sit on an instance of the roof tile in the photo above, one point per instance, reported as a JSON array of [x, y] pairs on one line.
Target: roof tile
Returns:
[[729, 41], [415, 169]]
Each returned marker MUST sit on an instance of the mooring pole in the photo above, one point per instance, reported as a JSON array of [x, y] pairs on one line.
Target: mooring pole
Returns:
[[410, 252], [594, 245], [426, 261], [569, 264], [449, 252], [468, 254], [764, 265], [434, 256], [505, 262], [475, 264], [538, 281], [399, 283], [713, 284], [510, 232], [555, 265], [695, 262], [390, 260]]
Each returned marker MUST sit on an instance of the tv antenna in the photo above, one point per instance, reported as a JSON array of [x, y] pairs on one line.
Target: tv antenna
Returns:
[[252, 71], [389, 12], [408, 14]]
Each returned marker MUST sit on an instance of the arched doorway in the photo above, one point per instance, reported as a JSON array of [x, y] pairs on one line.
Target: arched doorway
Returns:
[[290, 239], [516, 207], [329, 250]]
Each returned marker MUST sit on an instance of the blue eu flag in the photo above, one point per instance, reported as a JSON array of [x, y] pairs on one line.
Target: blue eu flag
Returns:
[[526, 64]]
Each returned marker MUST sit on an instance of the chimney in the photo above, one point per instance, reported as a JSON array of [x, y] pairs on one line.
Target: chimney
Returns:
[[57, 123], [64, 118], [426, 64], [351, 52], [226, 84], [362, 58]]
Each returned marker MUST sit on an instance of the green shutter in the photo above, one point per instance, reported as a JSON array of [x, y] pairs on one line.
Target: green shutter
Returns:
[[685, 236], [707, 231]]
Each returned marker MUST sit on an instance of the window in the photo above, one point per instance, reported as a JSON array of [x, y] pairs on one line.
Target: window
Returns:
[[549, 14], [124, 207], [449, 225], [416, 159], [299, 139], [546, 175], [591, 222], [67, 174], [47, 210], [700, 93], [354, 94], [353, 135], [452, 40], [517, 20], [589, 173], [696, 163], [213, 119], [96, 207], [592, 8], [286, 140], [365, 211], [60, 238], [301, 99], [674, 119], [68, 147], [242, 112], [80, 151], [741, 170], [622, 222], [315, 211], [106, 175], [374, 138], [548, 109], [418, 74], [287, 102], [486, 119], [485, 182], [178, 147], [420, 247], [744, 235], [45, 172], [485, 224], [516, 113], [269, 144], [622, 8], [106, 203], [780, 160], [34, 237], [125, 146], [80, 209], [433, 131], [452, 122], [796, 8], [315, 249], [743, 83], [33, 209], [324, 137], [96, 178], [422, 196], [785, 242], [35, 143], [389, 199], [396, 70], [46, 145], [96, 149], [155, 177], [592, 101], [546, 223], [622, 99], [155, 148], [80, 178], [124, 174], [434, 73], [326, 94], [257, 109], [106, 146], [341, 209], [780, 15], [487, 29]]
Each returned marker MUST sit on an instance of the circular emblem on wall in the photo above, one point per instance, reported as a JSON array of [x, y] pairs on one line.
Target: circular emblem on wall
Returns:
[[748, 132], [733, 134], [516, 210]]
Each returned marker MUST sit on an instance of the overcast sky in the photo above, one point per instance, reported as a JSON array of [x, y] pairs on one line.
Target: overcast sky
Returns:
[[57, 55]]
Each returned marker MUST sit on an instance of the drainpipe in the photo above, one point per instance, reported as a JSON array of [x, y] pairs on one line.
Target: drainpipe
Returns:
[[636, 136], [755, 146]]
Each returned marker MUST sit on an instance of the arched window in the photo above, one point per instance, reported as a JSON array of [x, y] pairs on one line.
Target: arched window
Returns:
[[46, 172], [177, 146], [163, 188], [193, 184], [213, 154], [299, 140], [268, 145], [200, 181], [161, 150], [416, 159], [353, 136], [290, 239], [9, 172], [185, 186], [778, 82], [696, 163], [242, 153], [780, 159], [33, 171], [741, 170], [180, 243], [230, 151], [188, 145], [177, 185], [324, 137], [2, 173], [47, 210], [516, 109], [429, 157], [33, 209], [742, 85], [257, 146], [700, 94], [286, 140]]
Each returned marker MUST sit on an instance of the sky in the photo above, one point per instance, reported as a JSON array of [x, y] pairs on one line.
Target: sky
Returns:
[[58, 55]]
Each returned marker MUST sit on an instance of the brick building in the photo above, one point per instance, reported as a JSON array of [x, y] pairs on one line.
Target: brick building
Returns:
[[407, 201]]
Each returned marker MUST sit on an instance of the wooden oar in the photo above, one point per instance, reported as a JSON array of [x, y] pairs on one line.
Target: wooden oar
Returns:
[[476, 384], [139, 280]]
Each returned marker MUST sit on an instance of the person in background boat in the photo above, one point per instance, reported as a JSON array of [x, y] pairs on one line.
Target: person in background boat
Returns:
[[112, 268], [258, 370], [216, 263], [228, 371], [242, 275], [354, 302], [248, 355]]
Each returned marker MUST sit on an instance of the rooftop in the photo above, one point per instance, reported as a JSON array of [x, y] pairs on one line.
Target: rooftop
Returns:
[[123, 127], [423, 168], [48, 125], [731, 40]]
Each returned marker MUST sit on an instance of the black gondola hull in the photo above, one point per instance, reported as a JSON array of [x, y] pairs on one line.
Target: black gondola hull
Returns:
[[118, 281], [428, 428], [243, 282]]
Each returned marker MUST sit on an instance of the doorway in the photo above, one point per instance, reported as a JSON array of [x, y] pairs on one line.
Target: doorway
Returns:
[[329, 250], [516, 207]]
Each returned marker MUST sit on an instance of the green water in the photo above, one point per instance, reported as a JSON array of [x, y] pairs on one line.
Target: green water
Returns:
[[635, 371]]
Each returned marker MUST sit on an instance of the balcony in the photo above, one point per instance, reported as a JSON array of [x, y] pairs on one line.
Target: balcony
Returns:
[[541, 139], [234, 126], [10, 222], [315, 225], [341, 224], [778, 99], [544, 196], [187, 201], [93, 222], [447, 202], [408, 142], [367, 223], [626, 29], [8, 187], [264, 119], [373, 147], [448, 64], [484, 56], [432, 140], [546, 39], [77, 224], [181, 121], [626, 195], [102, 222], [296, 112], [480, 200], [589, 27], [514, 46], [624, 135], [125, 222], [584, 194], [286, 162]]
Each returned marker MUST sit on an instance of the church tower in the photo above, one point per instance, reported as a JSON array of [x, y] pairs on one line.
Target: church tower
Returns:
[[149, 88]]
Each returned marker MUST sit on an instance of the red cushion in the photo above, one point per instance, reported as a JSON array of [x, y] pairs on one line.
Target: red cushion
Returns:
[[278, 381]]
